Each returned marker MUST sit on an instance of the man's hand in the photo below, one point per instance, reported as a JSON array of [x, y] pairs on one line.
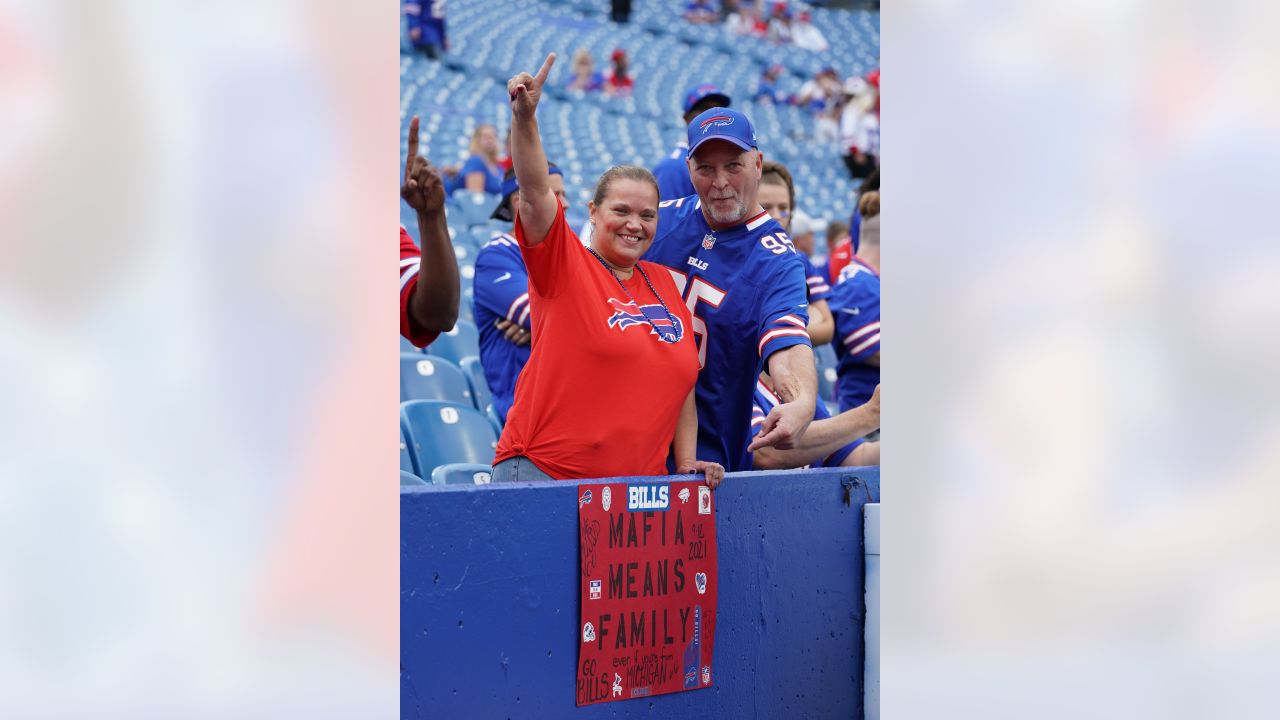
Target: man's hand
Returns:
[[513, 332], [783, 427], [422, 188], [526, 90], [713, 471]]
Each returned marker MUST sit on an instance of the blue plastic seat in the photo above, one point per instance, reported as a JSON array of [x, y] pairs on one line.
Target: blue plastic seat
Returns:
[[408, 347], [406, 459], [461, 341], [462, 474], [408, 478], [474, 371], [442, 432], [427, 377]]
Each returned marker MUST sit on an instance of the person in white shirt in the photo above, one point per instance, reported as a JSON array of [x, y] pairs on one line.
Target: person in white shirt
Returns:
[[807, 37]]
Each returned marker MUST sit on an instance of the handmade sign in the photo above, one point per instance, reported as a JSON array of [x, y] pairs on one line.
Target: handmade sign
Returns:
[[649, 589]]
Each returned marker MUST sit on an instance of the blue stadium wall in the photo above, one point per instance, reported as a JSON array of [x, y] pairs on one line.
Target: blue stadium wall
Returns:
[[489, 601]]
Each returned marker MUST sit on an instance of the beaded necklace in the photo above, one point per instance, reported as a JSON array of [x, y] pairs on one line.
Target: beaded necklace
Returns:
[[666, 334]]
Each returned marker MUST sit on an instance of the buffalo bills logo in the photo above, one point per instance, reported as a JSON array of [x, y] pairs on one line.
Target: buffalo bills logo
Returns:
[[715, 121], [665, 325]]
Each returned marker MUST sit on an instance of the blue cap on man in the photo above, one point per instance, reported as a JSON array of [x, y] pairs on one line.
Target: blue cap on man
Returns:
[[722, 124], [702, 92]]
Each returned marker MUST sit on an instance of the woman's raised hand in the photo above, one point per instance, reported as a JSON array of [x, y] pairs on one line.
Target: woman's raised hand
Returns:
[[526, 90]]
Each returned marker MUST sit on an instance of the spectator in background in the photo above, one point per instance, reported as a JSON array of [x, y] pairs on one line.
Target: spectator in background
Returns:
[[608, 389], [428, 277], [482, 171], [803, 231], [816, 94], [779, 31], [620, 11], [617, 83], [747, 22], [807, 37], [673, 171], [769, 90], [426, 31], [777, 196], [860, 128], [501, 297], [870, 184], [701, 12], [839, 249], [585, 78], [855, 302]]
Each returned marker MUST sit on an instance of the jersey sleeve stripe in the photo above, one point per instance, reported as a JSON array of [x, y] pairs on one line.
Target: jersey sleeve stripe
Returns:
[[512, 312], [409, 274], [406, 262], [784, 332], [524, 315], [852, 337], [873, 340], [792, 319]]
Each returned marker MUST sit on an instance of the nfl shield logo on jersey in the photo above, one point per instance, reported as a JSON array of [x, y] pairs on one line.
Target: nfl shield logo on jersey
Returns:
[[708, 241]]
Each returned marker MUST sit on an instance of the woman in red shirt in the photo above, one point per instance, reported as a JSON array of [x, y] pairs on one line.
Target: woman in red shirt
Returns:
[[608, 389]]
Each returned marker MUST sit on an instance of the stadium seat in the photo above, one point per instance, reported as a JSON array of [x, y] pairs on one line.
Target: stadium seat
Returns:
[[462, 474], [444, 432], [408, 478], [406, 460], [461, 341], [408, 347], [492, 414], [428, 377], [475, 375]]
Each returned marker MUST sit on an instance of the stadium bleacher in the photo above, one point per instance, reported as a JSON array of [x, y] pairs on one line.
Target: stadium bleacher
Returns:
[[587, 134]]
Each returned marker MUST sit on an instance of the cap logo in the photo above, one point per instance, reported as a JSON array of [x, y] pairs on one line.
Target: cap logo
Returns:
[[717, 121]]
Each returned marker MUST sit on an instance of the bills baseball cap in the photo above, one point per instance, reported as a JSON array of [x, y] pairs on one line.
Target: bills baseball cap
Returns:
[[702, 92], [504, 211], [722, 124]]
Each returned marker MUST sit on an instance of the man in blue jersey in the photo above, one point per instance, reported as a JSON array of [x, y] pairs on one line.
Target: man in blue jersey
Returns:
[[673, 171], [855, 303], [426, 26], [501, 299], [829, 442], [745, 286]]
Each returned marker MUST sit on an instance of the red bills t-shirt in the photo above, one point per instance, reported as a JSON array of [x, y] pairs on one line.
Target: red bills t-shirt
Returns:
[[410, 262], [602, 391]]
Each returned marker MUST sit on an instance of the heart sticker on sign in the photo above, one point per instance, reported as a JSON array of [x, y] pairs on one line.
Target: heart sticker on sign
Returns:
[[700, 580]]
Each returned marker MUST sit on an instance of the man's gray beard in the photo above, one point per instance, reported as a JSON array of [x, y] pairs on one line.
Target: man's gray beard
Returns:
[[737, 215]]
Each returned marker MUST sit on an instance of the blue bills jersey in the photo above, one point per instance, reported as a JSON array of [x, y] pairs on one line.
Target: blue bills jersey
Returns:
[[672, 174], [765, 401], [501, 287], [855, 304], [815, 281], [429, 17], [745, 287]]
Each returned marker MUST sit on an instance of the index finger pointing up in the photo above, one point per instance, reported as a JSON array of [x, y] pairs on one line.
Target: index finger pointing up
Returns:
[[541, 77], [413, 148]]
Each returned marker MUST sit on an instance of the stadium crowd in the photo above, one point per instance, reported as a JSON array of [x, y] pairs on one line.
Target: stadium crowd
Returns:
[[560, 337]]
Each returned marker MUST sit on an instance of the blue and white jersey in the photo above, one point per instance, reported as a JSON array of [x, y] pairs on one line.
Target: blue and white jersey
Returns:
[[855, 304], [501, 287], [765, 401], [429, 17], [745, 287], [672, 174], [815, 281]]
